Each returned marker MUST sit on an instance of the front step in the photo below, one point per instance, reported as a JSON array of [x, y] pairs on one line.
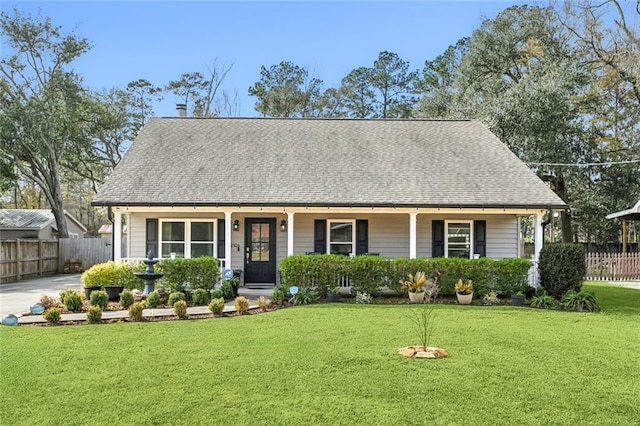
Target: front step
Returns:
[[260, 285]]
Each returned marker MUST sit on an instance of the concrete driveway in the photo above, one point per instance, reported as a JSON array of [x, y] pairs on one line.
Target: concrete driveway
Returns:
[[16, 298]]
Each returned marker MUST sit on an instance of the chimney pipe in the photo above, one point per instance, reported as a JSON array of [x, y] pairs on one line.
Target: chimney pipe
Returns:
[[182, 110]]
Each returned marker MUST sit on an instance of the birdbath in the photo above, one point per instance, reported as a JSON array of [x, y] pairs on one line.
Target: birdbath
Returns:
[[149, 275]]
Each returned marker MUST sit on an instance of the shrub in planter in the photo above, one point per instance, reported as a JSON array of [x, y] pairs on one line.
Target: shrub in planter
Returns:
[[72, 301], [176, 297], [126, 299], [562, 268], [52, 315], [135, 311], [180, 309], [99, 298], [242, 304], [153, 299], [580, 301], [216, 306], [94, 315], [200, 297]]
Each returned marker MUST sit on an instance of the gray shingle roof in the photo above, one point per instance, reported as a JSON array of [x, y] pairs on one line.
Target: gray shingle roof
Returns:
[[25, 219], [268, 161]]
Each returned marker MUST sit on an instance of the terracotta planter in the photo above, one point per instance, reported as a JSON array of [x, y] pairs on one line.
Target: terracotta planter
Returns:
[[465, 299], [416, 297]]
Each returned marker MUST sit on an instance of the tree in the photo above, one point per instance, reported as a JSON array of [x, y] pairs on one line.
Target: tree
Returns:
[[42, 109], [359, 96], [143, 93]]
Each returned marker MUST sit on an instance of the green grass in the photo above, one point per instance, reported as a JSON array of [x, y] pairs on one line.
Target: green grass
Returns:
[[328, 364]]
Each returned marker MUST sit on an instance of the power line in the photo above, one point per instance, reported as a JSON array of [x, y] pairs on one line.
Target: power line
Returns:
[[607, 163]]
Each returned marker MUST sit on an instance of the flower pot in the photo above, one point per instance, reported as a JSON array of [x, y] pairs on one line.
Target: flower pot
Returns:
[[333, 297], [88, 290], [416, 297], [114, 292], [465, 299], [517, 299]]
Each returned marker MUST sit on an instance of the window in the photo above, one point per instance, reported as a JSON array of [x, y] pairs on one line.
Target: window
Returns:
[[341, 237], [458, 238], [187, 237]]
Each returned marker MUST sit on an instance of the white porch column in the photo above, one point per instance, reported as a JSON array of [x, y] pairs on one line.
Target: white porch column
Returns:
[[117, 237], [128, 237], [413, 219], [290, 233], [227, 240], [539, 236]]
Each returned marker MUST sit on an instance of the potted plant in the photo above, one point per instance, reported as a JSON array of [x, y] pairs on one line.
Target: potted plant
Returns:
[[94, 278], [517, 299], [415, 285], [333, 295], [464, 291]]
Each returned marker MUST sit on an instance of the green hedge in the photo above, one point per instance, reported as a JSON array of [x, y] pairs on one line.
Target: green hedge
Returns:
[[562, 268], [189, 274], [113, 274], [371, 273]]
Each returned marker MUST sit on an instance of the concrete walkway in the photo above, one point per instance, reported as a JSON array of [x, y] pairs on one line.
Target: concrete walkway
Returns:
[[16, 298]]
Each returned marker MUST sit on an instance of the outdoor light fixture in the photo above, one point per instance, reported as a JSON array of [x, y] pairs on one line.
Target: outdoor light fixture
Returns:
[[283, 225], [236, 225]]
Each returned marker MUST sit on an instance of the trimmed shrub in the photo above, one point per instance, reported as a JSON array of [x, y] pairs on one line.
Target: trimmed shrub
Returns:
[[201, 297], [263, 303], [52, 315], [278, 296], [176, 297], [562, 268], [216, 306], [99, 298], [242, 304], [580, 301], [227, 290], [94, 315], [49, 301], [320, 271], [217, 294], [126, 299], [180, 309], [72, 301], [135, 311], [367, 274], [182, 274], [153, 299]]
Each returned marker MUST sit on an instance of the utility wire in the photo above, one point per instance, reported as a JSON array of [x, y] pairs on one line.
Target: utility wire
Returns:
[[608, 163]]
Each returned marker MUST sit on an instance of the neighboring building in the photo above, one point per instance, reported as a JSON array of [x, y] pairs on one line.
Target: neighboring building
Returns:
[[252, 191], [106, 231], [35, 224]]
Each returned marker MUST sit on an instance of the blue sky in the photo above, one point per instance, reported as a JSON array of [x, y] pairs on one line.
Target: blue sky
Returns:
[[159, 40]]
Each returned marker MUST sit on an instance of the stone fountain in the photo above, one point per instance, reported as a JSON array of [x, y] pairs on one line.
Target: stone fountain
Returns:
[[149, 275]]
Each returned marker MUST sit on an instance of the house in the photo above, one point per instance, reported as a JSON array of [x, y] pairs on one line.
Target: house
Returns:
[[252, 191], [35, 224], [106, 231]]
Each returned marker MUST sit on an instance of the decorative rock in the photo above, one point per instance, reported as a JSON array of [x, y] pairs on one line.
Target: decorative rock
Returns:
[[408, 352], [37, 308], [422, 352], [10, 320]]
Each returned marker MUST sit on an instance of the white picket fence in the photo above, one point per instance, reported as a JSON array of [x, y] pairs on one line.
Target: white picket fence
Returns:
[[613, 266]]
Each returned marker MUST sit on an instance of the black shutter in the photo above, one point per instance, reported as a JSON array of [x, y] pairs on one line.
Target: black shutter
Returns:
[[152, 238], [480, 237], [362, 236], [320, 236], [221, 239], [437, 230]]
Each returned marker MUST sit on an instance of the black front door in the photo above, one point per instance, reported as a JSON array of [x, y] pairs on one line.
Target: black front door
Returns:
[[260, 251]]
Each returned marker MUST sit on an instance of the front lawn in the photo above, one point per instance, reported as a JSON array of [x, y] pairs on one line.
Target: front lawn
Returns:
[[334, 364]]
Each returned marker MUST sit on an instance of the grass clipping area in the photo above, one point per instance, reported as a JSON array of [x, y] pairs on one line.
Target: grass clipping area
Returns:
[[332, 364]]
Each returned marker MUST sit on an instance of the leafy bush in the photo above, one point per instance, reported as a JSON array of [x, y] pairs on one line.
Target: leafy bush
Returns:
[[278, 295], [72, 301], [242, 304], [305, 296], [180, 309], [367, 274], [64, 293], [176, 297], [201, 297], [113, 274], [263, 303], [99, 298], [126, 299], [136, 311], [153, 299], [217, 294], [227, 290], [363, 298], [49, 301], [94, 315], [181, 274], [320, 272], [562, 268], [216, 306], [543, 301], [52, 315], [491, 299], [580, 301]]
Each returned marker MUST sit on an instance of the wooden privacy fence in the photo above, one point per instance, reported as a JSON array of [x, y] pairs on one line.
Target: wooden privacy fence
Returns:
[[27, 258], [613, 266], [83, 253]]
